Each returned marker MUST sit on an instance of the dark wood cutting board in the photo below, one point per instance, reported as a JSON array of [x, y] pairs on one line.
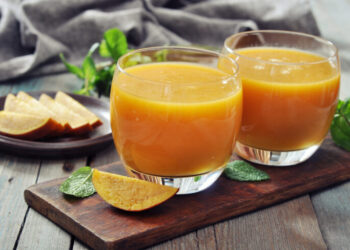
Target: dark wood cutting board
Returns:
[[102, 226]]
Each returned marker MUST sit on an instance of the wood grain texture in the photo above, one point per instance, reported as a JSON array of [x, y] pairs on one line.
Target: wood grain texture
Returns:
[[38, 232], [207, 237], [289, 225], [16, 174], [333, 213], [101, 226]]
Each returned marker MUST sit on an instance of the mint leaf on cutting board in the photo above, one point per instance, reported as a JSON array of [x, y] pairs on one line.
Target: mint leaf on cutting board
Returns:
[[79, 184], [243, 171]]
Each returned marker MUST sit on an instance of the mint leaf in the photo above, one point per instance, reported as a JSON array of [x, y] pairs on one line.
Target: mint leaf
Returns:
[[98, 77], [137, 58], [84, 91], [104, 80], [92, 49], [89, 69], [340, 127], [79, 184], [116, 43], [72, 68], [243, 171], [197, 178], [103, 50], [161, 55]]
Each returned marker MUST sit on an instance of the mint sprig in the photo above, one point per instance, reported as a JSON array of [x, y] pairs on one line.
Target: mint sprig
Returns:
[[98, 76], [79, 184], [340, 127], [243, 171]]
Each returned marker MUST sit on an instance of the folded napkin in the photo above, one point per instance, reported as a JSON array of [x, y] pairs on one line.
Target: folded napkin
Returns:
[[33, 33]]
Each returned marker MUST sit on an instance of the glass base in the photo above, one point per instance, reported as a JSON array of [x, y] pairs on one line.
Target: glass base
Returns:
[[274, 158], [186, 185]]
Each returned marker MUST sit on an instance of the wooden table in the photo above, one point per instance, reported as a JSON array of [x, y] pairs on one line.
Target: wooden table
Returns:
[[317, 220]]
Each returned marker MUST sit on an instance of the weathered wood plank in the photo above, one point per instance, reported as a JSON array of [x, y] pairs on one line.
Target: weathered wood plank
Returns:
[[188, 241], [38, 231], [333, 213], [16, 174], [203, 239], [289, 225], [207, 238]]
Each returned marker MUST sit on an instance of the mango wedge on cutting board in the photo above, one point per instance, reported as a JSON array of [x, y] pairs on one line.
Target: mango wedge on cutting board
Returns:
[[128, 193]]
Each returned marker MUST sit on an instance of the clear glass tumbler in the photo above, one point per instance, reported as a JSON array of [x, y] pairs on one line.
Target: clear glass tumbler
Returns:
[[290, 86], [175, 115]]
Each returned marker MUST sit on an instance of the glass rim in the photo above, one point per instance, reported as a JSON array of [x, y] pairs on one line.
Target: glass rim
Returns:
[[199, 50], [294, 33]]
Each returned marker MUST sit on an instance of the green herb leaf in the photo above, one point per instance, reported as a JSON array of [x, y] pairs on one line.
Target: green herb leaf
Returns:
[[72, 68], [116, 43], [340, 127], [104, 80], [92, 49], [89, 69], [99, 76], [79, 184], [197, 178], [84, 91], [242, 171], [104, 52], [137, 58], [161, 55]]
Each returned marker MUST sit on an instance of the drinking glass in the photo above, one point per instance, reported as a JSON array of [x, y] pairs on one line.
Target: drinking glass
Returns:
[[175, 115], [290, 84]]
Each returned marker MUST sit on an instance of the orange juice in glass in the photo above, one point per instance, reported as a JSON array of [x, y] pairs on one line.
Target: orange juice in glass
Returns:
[[290, 87], [175, 122]]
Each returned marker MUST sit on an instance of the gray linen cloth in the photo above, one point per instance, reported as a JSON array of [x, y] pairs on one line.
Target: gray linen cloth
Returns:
[[33, 33]]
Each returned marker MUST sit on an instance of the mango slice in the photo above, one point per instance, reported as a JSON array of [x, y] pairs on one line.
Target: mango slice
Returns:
[[128, 193], [24, 126], [75, 124], [78, 108], [18, 105]]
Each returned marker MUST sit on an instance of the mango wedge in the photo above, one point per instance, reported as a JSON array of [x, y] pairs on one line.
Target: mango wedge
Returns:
[[128, 193], [24, 126], [76, 107], [31, 101], [18, 105], [75, 124]]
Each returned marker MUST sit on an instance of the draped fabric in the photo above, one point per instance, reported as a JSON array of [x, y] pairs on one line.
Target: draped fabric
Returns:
[[33, 33]]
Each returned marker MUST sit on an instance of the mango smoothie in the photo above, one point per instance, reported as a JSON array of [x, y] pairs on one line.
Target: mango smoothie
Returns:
[[175, 119], [289, 98]]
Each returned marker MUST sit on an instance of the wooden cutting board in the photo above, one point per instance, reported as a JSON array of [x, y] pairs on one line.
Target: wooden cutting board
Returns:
[[102, 226]]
